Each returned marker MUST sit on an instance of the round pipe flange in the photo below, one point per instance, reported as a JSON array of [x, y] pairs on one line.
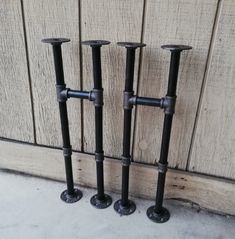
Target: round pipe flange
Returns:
[[132, 45], [176, 47], [124, 210], [101, 204], [95, 43], [71, 198], [55, 41], [161, 217]]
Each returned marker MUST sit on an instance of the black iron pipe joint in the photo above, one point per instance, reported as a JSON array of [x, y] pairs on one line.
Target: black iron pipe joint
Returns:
[[61, 93], [126, 161], [99, 157], [133, 100], [96, 95], [127, 104], [168, 104], [67, 151], [64, 93], [162, 168]]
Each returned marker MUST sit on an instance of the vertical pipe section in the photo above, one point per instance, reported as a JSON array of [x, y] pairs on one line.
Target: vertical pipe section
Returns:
[[124, 206], [96, 59], [130, 64], [166, 133], [70, 195], [99, 200], [158, 213]]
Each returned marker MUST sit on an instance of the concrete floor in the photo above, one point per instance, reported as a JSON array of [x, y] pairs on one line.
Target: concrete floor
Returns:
[[31, 208]]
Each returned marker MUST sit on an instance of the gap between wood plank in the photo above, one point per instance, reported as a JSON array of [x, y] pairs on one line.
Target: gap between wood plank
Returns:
[[138, 80], [28, 68], [205, 77], [81, 73]]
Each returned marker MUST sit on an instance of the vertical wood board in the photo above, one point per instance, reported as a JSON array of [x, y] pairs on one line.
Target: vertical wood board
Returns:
[[15, 105], [53, 19], [213, 150]]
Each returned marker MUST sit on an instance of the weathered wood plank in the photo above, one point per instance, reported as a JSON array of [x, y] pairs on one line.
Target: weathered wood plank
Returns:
[[114, 21], [180, 22], [15, 104], [208, 192], [53, 19], [213, 150]]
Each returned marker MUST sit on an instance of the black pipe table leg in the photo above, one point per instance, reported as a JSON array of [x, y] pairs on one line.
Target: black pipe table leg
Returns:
[[124, 206], [72, 194], [158, 213], [99, 200]]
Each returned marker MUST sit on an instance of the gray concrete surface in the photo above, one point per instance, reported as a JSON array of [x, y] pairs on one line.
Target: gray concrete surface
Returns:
[[31, 208]]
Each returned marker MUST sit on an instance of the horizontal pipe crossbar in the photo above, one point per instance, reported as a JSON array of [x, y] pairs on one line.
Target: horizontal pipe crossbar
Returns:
[[155, 102], [167, 103], [78, 94], [96, 95]]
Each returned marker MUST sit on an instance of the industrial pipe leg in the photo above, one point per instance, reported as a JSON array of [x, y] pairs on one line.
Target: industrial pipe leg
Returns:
[[99, 200], [158, 213], [72, 194], [124, 206]]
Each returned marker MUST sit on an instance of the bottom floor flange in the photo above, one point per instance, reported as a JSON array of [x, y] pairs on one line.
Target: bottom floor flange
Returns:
[[71, 198], [124, 210], [161, 217], [101, 204]]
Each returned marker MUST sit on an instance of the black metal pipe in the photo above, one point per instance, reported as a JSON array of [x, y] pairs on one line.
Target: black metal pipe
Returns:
[[71, 194], [100, 200], [130, 65], [63, 117], [96, 59], [130, 68], [124, 206], [158, 213], [96, 62], [148, 101], [166, 133], [66, 144], [126, 157], [78, 94]]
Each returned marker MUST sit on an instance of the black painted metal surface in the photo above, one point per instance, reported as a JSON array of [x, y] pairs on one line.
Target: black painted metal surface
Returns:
[[70, 195], [78, 94], [124, 206], [148, 101], [158, 213], [100, 200]]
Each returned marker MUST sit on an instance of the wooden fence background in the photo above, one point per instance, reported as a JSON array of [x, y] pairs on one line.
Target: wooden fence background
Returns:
[[203, 135]]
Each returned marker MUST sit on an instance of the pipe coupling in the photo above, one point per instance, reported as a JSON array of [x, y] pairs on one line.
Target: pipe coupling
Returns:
[[96, 95], [67, 151], [162, 168], [127, 95], [126, 161], [168, 104], [99, 157], [62, 93]]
